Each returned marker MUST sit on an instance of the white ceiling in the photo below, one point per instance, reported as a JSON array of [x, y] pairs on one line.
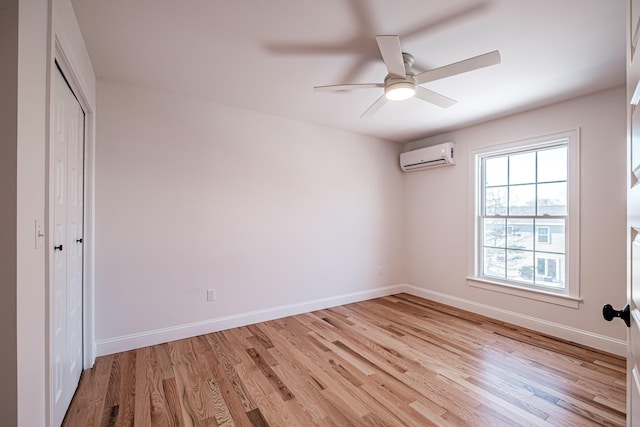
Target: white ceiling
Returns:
[[266, 56]]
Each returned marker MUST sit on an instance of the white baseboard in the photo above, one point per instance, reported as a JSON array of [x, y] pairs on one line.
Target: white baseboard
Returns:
[[579, 336], [158, 336], [133, 341]]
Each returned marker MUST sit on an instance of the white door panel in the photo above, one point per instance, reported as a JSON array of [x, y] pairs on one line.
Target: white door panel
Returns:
[[67, 188], [631, 313], [633, 213]]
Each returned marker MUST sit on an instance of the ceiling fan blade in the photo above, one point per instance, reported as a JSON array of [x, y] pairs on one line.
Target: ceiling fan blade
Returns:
[[392, 55], [480, 61], [375, 107], [434, 97], [348, 86]]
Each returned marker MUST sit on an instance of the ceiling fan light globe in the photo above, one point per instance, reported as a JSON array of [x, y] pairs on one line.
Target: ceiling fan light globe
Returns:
[[399, 91]]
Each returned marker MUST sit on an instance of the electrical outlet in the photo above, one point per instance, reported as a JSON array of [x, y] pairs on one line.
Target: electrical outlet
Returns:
[[380, 272], [211, 294]]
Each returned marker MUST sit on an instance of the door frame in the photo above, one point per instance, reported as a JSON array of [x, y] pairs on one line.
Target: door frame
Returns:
[[62, 58]]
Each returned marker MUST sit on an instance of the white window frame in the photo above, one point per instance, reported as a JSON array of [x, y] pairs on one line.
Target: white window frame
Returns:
[[570, 296]]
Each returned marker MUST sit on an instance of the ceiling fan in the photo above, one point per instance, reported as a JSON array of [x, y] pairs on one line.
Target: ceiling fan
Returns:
[[402, 83]]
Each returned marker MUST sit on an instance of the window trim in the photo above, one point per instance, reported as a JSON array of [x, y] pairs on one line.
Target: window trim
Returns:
[[570, 296]]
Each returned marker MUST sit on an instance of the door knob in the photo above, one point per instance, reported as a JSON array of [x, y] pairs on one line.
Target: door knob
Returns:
[[608, 312], [79, 240], [57, 248]]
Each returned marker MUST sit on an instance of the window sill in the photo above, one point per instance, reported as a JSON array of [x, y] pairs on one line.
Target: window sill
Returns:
[[538, 295]]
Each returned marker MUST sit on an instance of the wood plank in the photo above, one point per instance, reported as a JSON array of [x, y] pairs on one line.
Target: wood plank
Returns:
[[397, 360], [173, 403], [89, 400], [126, 404]]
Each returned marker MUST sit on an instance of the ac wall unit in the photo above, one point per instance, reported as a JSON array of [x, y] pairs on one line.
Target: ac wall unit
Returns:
[[429, 157]]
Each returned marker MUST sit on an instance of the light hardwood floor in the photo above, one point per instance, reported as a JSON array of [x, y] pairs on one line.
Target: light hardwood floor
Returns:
[[392, 361]]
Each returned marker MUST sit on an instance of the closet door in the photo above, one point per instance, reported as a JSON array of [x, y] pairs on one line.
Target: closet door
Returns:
[[633, 214], [67, 150]]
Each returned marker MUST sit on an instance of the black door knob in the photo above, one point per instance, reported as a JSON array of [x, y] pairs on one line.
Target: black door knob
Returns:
[[608, 312], [57, 248], [79, 240]]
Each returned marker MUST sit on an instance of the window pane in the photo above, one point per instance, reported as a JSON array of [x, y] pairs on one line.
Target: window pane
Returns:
[[495, 171], [521, 235], [550, 270], [520, 265], [522, 200], [494, 233], [552, 165], [495, 201], [552, 199], [522, 168], [493, 262]]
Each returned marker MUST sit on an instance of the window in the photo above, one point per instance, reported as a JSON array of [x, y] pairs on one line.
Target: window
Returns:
[[547, 269], [543, 235], [526, 202]]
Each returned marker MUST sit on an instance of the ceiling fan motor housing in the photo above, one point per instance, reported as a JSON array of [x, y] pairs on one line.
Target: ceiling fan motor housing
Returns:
[[401, 88]]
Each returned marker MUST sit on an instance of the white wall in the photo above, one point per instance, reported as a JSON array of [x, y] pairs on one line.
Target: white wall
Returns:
[[437, 206], [32, 126], [283, 217], [270, 212]]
